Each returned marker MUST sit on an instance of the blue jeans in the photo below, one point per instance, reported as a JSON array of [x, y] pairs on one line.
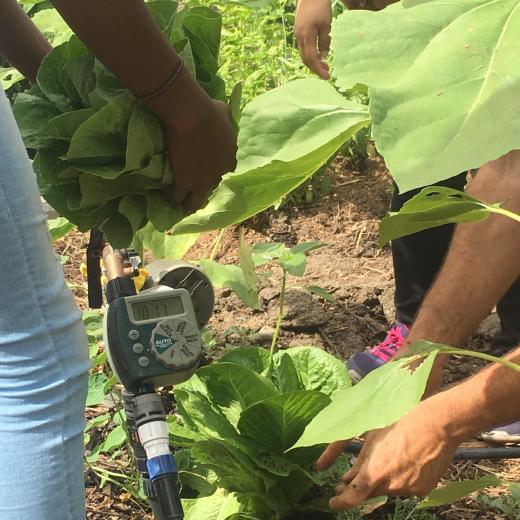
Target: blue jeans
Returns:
[[43, 354]]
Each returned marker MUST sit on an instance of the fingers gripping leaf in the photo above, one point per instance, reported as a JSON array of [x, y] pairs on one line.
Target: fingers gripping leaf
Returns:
[[379, 400]]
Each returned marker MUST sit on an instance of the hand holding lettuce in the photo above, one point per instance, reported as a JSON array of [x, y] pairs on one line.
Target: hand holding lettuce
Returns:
[[102, 159]]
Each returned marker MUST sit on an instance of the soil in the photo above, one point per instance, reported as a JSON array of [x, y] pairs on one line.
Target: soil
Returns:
[[352, 268]]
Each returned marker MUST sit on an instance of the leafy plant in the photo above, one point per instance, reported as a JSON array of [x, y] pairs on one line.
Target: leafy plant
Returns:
[[101, 157], [258, 46], [59, 227], [239, 417], [506, 503]]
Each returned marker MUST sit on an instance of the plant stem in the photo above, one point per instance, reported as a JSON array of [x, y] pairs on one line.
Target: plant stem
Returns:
[[480, 355], [280, 314], [506, 213], [216, 245]]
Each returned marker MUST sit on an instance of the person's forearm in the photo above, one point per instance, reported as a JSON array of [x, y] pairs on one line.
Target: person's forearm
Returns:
[[124, 36], [484, 401], [21, 43], [482, 263]]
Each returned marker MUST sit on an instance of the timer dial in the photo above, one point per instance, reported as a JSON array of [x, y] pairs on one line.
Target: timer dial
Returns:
[[176, 343]]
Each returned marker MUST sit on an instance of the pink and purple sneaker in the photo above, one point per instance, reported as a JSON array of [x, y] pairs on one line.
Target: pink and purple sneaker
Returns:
[[360, 364]]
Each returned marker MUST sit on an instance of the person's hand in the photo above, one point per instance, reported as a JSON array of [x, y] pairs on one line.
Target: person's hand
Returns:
[[312, 30], [200, 156], [405, 459]]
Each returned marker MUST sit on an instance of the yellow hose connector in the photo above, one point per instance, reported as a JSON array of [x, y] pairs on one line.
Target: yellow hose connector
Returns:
[[139, 280]]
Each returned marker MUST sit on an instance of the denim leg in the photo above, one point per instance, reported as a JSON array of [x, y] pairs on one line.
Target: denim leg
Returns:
[[43, 354]]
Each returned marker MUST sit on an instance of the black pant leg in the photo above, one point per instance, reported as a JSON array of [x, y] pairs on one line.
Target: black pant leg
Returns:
[[508, 310], [417, 258]]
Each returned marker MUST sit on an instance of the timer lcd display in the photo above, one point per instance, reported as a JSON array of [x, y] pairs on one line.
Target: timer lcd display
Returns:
[[153, 309]]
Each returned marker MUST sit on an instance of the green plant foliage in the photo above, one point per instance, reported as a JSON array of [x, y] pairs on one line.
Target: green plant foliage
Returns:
[[506, 503], [379, 400], [321, 292], [291, 259], [161, 244], [440, 78], [96, 388], [258, 45], [9, 76], [239, 418], [59, 227], [232, 277], [101, 157], [285, 136], [218, 506], [435, 206], [456, 490]]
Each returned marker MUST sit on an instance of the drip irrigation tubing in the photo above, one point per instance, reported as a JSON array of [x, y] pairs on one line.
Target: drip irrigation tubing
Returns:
[[491, 453]]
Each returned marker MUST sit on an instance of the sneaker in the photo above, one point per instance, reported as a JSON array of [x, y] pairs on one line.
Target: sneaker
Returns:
[[508, 434], [360, 364]]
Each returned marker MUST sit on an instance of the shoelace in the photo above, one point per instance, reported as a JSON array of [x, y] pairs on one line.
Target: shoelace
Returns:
[[389, 347]]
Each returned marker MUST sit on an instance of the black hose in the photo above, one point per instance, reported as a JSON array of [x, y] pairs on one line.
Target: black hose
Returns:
[[498, 453]]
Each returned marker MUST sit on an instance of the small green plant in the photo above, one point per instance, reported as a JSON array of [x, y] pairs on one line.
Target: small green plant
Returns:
[[239, 416], [506, 503], [408, 510]]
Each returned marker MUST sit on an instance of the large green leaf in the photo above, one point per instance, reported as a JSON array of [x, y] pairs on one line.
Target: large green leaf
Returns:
[[233, 277], [457, 490], [276, 423], [101, 140], [96, 385], [443, 85], [235, 470], [255, 358], [59, 227], [229, 384], [432, 207], [317, 369], [52, 25], [9, 76], [215, 507], [208, 419], [33, 112], [162, 245], [379, 400], [285, 136], [53, 79], [286, 375]]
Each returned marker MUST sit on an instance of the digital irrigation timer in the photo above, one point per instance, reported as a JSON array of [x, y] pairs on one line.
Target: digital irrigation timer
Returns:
[[154, 336]]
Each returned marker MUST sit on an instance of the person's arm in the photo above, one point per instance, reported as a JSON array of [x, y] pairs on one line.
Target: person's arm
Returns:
[[410, 457], [124, 36], [482, 263], [21, 43], [312, 29]]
